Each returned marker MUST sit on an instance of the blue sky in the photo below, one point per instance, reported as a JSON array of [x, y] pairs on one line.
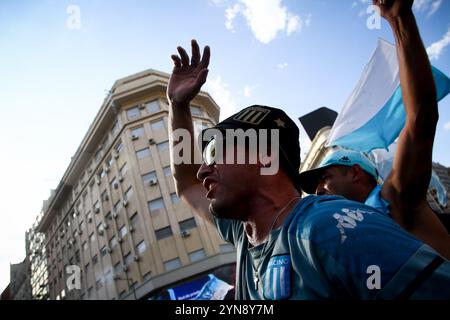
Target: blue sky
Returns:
[[298, 55]]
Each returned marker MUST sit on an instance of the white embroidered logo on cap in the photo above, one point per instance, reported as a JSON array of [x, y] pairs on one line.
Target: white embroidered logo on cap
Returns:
[[252, 115]]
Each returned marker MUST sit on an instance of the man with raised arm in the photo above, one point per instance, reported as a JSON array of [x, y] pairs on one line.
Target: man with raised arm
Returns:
[[403, 193], [289, 248]]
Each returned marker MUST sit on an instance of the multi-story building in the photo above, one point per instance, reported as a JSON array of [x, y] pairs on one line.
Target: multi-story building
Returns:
[[37, 257], [115, 213], [20, 288]]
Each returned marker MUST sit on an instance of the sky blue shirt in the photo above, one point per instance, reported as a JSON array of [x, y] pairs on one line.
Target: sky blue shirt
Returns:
[[328, 248], [375, 200]]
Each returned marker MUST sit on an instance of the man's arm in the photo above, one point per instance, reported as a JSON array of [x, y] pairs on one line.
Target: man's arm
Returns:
[[185, 82], [406, 186]]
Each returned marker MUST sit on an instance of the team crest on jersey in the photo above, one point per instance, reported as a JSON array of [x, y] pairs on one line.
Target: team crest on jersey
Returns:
[[277, 279], [252, 115]]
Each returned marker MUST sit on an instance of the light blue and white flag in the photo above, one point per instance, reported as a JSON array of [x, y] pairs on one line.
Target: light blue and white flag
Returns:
[[214, 289], [374, 115], [441, 192]]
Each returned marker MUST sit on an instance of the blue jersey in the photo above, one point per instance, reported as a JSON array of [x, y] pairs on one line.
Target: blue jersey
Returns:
[[375, 200], [332, 248]]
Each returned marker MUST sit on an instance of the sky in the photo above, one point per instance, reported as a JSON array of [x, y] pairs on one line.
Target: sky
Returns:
[[59, 58]]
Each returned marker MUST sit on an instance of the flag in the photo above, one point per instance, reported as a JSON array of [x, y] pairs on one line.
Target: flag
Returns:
[[374, 115]]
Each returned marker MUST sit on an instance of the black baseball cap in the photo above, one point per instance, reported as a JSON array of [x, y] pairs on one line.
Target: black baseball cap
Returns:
[[264, 117]]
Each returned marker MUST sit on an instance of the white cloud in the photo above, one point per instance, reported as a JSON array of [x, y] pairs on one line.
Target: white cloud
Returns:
[[434, 7], [436, 49], [282, 66], [266, 18], [308, 20], [248, 90], [230, 15], [221, 93], [431, 6], [447, 126], [293, 24]]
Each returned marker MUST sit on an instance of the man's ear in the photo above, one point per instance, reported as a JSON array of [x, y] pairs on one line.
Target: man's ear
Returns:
[[356, 172]]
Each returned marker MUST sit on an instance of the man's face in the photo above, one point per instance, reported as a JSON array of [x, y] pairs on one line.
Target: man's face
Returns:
[[335, 180], [229, 187]]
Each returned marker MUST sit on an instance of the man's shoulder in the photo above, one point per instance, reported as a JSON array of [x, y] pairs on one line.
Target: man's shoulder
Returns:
[[323, 211], [324, 218]]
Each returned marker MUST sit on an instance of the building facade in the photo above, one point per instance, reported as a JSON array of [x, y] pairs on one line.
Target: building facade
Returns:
[[37, 257], [20, 287], [115, 218]]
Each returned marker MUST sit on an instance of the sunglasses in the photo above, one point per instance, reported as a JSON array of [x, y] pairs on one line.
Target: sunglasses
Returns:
[[209, 152]]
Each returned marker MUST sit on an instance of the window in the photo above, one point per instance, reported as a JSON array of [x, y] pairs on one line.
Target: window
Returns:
[[141, 247], [143, 153], [133, 113], [188, 224], [98, 155], [100, 227], [101, 173], [123, 169], [119, 147], [157, 125], [105, 196], [114, 183], [103, 251], [116, 127], [109, 162], [92, 237], [146, 178], [163, 233], [155, 205], [108, 216], [85, 246], [172, 264], [118, 206], [81, 225], [163, 146], [96, 206], [117, 269], [95, 260], [113, 242], [123, 231], [197, 255], [98, 284], [153, 106], [226, 247], [167, 171], [137, 132], [174, 198], [128, 258], [196, 111], [134, 220], [129, 193], [86, 267]]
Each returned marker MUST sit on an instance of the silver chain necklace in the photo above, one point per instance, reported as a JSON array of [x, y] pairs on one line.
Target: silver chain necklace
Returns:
[[261, 256]]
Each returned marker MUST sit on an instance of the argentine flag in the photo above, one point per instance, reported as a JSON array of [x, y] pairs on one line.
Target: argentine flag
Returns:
[[374, 115]]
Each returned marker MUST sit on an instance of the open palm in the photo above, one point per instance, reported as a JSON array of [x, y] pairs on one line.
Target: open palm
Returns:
[[391, 9], [188, 76]]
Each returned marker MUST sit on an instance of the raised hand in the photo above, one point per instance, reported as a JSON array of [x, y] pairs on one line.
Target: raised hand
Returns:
[[391, 9], [188, 76]]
